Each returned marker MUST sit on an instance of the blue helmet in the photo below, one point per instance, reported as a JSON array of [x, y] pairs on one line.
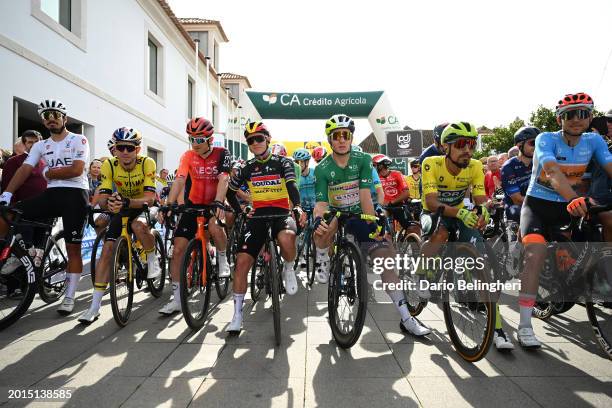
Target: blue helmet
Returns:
[[438, 132], [526, 133], [127, 135], [301, 154]]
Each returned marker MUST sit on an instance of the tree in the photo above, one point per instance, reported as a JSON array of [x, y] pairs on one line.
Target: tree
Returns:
[[501, 140], [544, 119]]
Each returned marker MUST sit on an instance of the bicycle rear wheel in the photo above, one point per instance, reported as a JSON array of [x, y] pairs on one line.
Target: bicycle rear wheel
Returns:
[[221, 284], [54, 263], [94, 255], [311, 259], [469, 314], [16, 295], [600, 316], [257, 278], [347, 295], [121, 283], [156, 286], [195, 285], [410, 246], [275, 289]]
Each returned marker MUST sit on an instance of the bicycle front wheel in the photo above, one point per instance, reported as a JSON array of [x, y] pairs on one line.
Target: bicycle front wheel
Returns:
[[311, 259], [410, 246], [275, 289], [257, 278], [16, 295], [195, 285], [100, 238], [347, 295], [121, 282], [600, 316], [54, 262], [156, 285]]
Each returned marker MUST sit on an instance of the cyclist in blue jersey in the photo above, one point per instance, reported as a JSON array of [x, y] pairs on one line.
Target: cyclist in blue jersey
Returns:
[[307, 181], [436, 148], [516, 173], [559, 163]]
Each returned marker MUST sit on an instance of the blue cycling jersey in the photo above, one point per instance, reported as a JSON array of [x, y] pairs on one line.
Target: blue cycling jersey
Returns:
[[307, 190], [432, 150], [573, 161], [375, 182], [515, 179]]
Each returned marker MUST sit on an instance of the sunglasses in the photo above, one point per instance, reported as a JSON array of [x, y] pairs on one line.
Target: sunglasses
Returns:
[[125, 148], [48, 115], [415, 166], [580, 114], [461, 143], [198, 140], [255, 139], [343, 134], [530, 142]]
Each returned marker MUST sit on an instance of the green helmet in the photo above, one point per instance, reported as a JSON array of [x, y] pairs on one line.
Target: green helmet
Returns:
[[339, 122], [457, 130]]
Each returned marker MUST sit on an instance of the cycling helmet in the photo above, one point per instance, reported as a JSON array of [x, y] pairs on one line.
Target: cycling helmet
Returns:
[[525, 133], [381, 159], [319, 153], [200, 127], [170, 178], [437, 132], [111, 144], [127, 135], [356, 148], [573, 101], [458, 130], [279, 149], [52, 105], [255, 127], [339, 122], [301, 154]]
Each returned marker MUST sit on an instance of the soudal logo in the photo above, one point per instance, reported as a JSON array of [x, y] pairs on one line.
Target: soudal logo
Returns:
[[266, 183]]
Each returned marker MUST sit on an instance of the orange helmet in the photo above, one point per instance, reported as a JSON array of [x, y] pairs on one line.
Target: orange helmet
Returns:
[[571, 101]]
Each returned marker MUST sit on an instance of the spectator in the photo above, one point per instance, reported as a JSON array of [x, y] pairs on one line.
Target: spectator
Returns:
[[18, 147], [36, 183], [600, 125], [94, 176], [503, 158], [513, 152], [493, 176], [161, 181]]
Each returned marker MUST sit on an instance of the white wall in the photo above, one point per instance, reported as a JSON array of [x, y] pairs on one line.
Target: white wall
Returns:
[[105, 84]]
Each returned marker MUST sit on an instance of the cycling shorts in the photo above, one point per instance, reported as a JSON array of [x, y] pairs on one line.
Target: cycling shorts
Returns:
[[466, 234], [401, 215], [513, 213], [187, 225], [538, 214], [255, 233], [114, 228]]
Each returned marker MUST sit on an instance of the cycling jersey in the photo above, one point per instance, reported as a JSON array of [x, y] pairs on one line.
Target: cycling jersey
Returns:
[[515, 179], [573, 161], [132, 183], [307, 189], [601, 184], [451, 189], [202, 174], [340, 186], [393, 185], [267, 181], [413, 187], [375, 185], [57, 155], [432, 150]]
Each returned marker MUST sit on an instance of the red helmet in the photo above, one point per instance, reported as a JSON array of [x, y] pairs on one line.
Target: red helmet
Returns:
[[200, 127], [381, 159], [319, 153], [572, 101]]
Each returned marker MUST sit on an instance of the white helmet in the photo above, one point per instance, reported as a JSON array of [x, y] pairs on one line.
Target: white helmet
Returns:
[[52, 105]]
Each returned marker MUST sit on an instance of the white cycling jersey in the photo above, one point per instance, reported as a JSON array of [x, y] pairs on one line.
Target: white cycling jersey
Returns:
[[62, 154]]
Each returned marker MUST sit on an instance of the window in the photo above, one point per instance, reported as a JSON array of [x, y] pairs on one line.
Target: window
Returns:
[[155, 68], [203, 37], [216, 56], [152, 67], [190, 89], [215, 112], [155, 155], [66, 17], [234, 90]]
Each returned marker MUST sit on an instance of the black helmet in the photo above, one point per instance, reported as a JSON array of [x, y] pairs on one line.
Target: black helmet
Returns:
[[525, 133], [438, 131]]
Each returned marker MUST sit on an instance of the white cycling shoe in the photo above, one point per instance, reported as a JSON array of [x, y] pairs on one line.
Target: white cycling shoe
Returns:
[[66, 307], [170, 308], [527, 338], [413, 327], [235, 325], [89, 316], [290, 281], [502, 341]]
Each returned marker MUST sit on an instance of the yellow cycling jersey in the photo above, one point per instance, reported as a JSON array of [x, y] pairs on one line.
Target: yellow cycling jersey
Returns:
[[130, 184], [451, 189], [413, 187]]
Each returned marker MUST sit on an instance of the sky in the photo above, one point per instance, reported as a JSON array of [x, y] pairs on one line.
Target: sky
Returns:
[[486, 62]]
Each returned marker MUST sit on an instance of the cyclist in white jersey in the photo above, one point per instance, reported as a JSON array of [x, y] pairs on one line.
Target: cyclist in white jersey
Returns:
[[65, 155]]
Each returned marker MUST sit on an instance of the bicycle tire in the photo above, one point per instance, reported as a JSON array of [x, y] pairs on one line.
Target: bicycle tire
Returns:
[[156, 286], [193, 260], [311, 260], [255, 271], [542, 310], [100, 237], [414, 303], [480, 349], [359, 274], [221, 284], [52, 292], [300, 250], [121, 258], [562, 307], [603, 335], [275, 289], [28, 290]]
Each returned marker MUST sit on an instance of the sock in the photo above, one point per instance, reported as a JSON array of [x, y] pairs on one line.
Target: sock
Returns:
[[526, 303], [323, 253], [238, 302], [73, 281], [399, 300], [177, 293], [498, 320], [221, 253], [288, 266], [98, 293]]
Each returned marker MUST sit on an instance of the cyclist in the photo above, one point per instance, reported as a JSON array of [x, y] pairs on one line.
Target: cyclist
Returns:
[[343, 182], [134, 178], [437, 147], [65, 155], [515, 174], [319, 153], [271, 181], [280, 150], [307, 181], [559, 162], [414, 180], [446, 180], [203, 175]]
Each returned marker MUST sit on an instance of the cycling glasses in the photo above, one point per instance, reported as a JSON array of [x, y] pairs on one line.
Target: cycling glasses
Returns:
[[255, 139], [461, 143], [198, 140], [48, 115], [415, 166], [530, 142], [342, 134], [125, 148], [580, 114]]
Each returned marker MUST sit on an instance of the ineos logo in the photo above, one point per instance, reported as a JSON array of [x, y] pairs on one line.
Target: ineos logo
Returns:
[[403, 141]]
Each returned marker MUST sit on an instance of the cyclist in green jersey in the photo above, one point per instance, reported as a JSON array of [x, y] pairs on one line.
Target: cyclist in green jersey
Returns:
[[343, 181]]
